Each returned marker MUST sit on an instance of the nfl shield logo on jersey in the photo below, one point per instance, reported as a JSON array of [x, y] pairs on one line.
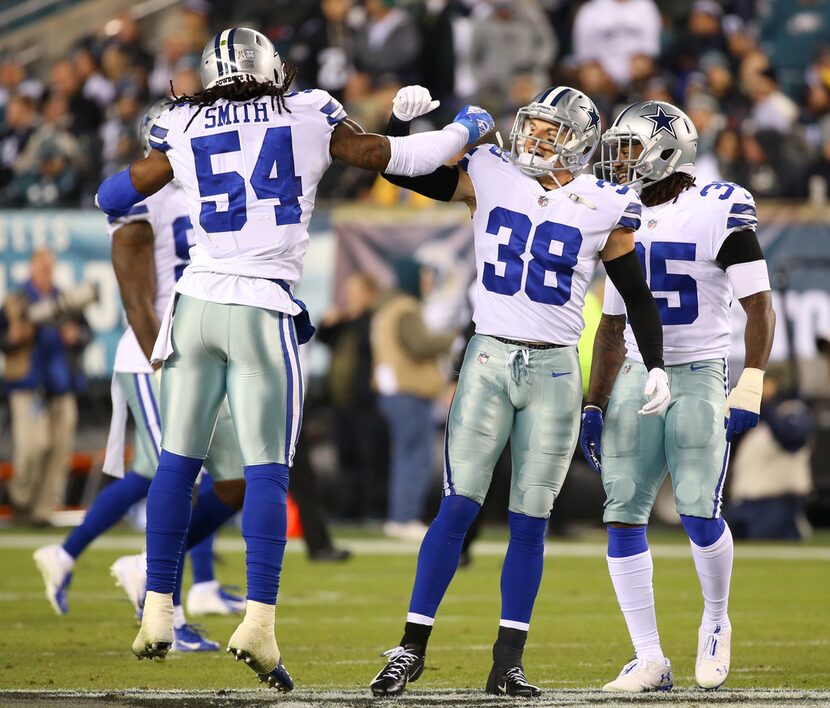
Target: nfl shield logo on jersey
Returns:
[[542, 201], [483, 358], [626, 368], [652, 224]]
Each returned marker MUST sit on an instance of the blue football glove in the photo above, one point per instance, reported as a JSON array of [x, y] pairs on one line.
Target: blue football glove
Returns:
[[743, 405], [590, 437], [476, 120]]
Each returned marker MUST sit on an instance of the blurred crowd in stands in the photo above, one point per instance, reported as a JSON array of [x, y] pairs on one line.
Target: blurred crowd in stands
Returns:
[[754, 75]]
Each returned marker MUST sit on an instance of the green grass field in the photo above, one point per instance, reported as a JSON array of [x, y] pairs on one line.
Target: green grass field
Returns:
[[334, 620]]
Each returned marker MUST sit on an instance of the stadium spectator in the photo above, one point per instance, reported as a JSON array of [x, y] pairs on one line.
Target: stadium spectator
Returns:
[[386, 49], [85, 116], [613, 32], [325, 46], [514, 39], [772, 109], [792, 32], [118, 135], [359, 431], [702, 34], [408, 379], [42, 376], [19, 126], [95, 86], [53, 181]]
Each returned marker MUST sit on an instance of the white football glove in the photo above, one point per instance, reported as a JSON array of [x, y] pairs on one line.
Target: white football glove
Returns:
[[411, 102], [657, 391]]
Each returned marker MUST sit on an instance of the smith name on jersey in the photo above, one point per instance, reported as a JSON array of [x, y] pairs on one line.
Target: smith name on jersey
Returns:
[[251, 192], [678, 243], [537, 250]]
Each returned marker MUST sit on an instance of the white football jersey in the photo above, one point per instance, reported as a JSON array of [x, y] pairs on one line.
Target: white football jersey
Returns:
[[250, 174], [536, 250], [166, 212], [678, 243]]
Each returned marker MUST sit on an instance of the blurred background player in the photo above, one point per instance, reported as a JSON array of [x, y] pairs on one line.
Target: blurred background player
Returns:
[[520, 378], [237, 326], [150, 249], [699, 250]]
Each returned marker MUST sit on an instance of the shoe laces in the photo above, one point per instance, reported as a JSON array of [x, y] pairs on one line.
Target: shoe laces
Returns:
[[400, 659], [517, 675]]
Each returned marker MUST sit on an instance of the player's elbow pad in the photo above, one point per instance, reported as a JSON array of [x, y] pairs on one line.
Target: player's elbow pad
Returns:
[[117, 195], [627, 275], [425, 152]]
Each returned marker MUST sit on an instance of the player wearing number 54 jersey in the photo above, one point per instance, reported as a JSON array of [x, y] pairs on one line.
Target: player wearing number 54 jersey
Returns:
[[249, 154], [540, 229], [698, 248]]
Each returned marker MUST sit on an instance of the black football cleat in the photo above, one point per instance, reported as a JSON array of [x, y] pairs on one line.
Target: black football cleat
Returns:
[[405, 664], [510, 682]]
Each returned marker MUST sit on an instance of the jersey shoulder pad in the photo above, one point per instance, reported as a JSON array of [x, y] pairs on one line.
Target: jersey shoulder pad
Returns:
[[483, 153], [319, 101], [732, 204], [622, 203], [139, 212]]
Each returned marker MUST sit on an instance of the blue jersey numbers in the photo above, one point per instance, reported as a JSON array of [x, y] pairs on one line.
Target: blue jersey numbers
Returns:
[[182, 241], [554, 251], [662, 281], [273, 177]]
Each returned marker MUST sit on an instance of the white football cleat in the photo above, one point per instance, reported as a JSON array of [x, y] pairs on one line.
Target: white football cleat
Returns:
[[405, 531], [641, 676], [130, 573], [256, 645], [156, 636], [713, 656], [210, 598], [55, 565]]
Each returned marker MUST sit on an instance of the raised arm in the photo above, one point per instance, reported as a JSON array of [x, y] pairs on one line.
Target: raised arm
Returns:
[[412, 154], [134, 263], [119, 193]]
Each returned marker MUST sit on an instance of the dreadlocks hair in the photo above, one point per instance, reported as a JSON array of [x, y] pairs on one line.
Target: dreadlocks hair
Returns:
[[239, 91], [666, 189]]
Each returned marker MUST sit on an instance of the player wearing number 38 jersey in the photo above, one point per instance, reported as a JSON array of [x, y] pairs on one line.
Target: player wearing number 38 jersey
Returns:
[[249, 154], [540, 229], [699, 250]]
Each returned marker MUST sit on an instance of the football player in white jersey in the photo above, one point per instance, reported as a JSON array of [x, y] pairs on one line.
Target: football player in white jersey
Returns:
[[150, 248], [699, 251], [249, 154], [540, 229]]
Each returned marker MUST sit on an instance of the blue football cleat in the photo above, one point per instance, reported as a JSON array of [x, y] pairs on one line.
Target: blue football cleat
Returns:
[[191, 637]]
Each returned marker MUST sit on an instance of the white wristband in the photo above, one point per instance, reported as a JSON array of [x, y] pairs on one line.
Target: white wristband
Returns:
[[747, 392], [423, 153]]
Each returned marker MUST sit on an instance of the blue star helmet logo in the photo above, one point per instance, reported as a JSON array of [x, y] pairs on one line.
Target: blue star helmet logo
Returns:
[[662, 121], [593, 115]]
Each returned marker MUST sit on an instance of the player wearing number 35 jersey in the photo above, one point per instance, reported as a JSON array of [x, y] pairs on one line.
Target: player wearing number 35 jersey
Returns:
[[698, 249], [540, 229], [249, 155]]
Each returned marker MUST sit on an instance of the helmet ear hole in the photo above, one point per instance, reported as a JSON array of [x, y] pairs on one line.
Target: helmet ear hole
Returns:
[[666, 154]]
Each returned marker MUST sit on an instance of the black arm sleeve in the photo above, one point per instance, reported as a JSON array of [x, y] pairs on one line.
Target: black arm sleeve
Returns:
[[739, 247], [627, 275], [439, 185]]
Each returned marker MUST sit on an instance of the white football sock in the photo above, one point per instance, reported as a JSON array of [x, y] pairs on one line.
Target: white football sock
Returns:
[[178, 617], [632, 579], [714, 570]]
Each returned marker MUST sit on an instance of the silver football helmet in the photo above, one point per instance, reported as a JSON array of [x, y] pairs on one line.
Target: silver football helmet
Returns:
[[148, 120], [239, 53], [649, 141], [576, 121]]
